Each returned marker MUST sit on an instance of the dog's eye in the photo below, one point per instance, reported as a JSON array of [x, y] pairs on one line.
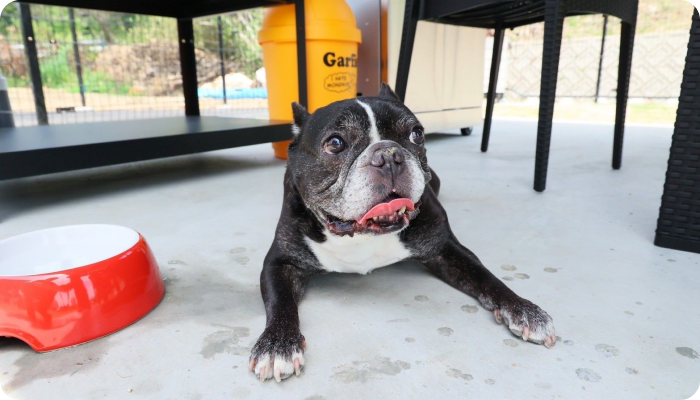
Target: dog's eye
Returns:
[[417, 136], [334, 145]]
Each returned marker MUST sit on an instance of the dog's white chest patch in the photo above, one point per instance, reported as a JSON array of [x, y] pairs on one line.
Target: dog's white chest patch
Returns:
[[359, 254]]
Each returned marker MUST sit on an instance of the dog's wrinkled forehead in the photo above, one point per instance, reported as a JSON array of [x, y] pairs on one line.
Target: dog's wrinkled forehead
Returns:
[[363, 121]]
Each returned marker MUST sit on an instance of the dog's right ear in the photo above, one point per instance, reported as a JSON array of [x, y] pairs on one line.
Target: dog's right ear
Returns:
[[300, 117], [385, 91]]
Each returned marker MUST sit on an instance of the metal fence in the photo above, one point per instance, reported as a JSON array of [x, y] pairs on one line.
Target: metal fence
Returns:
[[229, 62], [587, 73], [657, 67], [102, 66]]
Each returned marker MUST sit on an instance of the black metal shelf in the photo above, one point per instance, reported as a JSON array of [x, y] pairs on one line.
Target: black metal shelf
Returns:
[[171, 8], [45, 149]]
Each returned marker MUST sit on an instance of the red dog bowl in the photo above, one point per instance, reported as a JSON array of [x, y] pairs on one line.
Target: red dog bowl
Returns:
[[64, 286]]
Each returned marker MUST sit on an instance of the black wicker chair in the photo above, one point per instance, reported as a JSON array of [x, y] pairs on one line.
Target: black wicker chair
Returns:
[[679, 217], [503, 14]]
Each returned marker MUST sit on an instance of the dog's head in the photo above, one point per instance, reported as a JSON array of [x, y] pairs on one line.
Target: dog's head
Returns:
[[360, 164]]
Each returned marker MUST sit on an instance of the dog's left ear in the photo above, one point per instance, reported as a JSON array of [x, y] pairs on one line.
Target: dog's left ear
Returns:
[[300, 117], [386, 91]]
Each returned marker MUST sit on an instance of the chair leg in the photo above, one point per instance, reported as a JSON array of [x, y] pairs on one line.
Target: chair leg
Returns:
[[553, 26], [623, 84], [493, 82], [410, 23]]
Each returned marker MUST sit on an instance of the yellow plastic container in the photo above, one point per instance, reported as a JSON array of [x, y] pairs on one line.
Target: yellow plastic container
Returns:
[[332, 38]]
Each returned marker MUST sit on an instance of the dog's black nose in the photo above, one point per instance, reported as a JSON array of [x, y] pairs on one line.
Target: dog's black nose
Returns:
[[388, 156]]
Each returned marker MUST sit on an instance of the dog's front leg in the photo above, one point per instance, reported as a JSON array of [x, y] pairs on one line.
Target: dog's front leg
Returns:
[[279, 351], [462, 269]]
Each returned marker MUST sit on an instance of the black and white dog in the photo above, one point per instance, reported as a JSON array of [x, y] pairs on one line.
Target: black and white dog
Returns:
[[359, 195]]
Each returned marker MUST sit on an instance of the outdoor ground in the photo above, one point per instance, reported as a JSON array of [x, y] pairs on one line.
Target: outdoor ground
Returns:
[[642, 112], [638, 112], [625, 310], [113, 107]]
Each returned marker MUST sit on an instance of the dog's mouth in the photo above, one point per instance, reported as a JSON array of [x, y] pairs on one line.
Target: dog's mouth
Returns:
[[390, 215]]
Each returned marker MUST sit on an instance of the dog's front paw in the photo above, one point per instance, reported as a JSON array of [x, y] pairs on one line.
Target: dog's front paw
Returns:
[[527, 320], [279, 352]]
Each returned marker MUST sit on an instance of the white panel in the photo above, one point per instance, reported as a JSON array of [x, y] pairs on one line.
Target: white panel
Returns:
[[464, 67], [441, 121], [426, 77], [446, 73], [395, 29]]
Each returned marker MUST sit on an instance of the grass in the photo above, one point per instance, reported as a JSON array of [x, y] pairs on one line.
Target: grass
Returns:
[[57, 72], [101, 82]]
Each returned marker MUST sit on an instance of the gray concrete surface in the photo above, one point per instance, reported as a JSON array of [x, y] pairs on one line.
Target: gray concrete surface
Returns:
[[626, 311]]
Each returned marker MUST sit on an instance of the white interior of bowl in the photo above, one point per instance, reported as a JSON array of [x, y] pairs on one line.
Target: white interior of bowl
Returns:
[[62, 248]]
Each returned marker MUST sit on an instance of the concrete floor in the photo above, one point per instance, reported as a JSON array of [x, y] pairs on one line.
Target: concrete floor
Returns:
[[624, 309]]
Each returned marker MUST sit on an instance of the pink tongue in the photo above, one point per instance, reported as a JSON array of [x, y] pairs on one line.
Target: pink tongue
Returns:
[[387, 209]]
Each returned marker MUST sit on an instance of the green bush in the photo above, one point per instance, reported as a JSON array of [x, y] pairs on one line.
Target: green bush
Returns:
[[56, 71], [59, 72], [101, 82], [54, 40]]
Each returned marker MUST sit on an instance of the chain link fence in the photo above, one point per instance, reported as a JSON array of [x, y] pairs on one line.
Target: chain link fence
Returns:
[[104, 66], [657, 66], [231, 82]]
